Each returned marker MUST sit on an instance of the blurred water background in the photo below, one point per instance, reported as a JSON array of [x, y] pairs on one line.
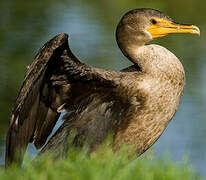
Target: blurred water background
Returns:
[[26, 25]]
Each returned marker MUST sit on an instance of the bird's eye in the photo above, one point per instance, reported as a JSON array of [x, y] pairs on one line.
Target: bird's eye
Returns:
[[154, 21]]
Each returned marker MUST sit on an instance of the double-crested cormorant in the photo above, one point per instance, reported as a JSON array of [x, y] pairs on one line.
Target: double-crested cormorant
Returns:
[[135, 104]]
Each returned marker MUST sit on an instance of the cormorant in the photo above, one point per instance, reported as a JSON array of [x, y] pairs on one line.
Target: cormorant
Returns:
[[135, 104]]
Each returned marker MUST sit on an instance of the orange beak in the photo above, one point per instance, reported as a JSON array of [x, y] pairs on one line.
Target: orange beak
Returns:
[[164, 27]]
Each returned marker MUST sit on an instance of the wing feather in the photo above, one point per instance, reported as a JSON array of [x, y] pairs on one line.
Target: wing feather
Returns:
[[55, 80], [31, 115]]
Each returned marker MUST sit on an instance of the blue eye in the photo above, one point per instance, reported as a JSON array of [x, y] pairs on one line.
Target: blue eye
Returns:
[[154, 21]]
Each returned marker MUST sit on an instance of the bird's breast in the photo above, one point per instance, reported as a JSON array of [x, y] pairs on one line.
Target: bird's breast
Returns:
[[147, 121]]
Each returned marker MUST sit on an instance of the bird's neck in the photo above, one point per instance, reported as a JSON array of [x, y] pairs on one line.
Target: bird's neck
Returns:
[[129, 42], [154, 59]]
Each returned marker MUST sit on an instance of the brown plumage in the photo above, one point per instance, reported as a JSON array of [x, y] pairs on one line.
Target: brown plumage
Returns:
[[135, 104]]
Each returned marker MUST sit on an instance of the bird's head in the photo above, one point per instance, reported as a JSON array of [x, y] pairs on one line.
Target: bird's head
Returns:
[[139, 26]]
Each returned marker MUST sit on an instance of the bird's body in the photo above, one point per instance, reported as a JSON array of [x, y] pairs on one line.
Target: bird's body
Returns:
[[135, 104], [160, 88]]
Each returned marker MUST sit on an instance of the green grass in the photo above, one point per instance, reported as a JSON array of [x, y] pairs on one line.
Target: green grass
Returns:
[[103, 165]]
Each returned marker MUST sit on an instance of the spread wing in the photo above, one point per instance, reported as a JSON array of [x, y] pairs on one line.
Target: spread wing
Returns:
[[45, 89], [33, 116]]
